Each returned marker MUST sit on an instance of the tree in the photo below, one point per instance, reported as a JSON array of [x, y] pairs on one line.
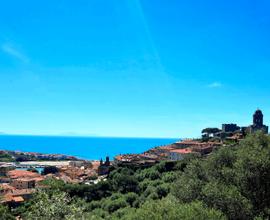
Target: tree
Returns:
[[4, 157], [210, 131], [253, 171], [189, 185], [50, 169], [124, 182], [168, 209], [56, 205], [113, 205], [220, 165], [235, 179], [131, 198], [228, 199], [5, 214]]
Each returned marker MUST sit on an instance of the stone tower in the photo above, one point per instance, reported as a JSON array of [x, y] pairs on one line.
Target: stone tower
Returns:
[[257, 123], [258, 119]]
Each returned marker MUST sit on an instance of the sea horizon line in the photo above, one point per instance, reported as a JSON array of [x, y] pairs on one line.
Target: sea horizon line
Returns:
[[88, 136]]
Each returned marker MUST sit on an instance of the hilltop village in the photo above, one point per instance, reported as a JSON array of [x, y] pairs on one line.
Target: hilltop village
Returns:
[[21, 174], [211, 139]]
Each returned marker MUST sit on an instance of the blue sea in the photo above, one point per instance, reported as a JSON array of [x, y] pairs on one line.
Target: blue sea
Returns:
[[91, 148]]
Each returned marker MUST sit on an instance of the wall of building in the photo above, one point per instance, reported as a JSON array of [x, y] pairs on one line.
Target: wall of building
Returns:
[[175, 156], [23, 184]]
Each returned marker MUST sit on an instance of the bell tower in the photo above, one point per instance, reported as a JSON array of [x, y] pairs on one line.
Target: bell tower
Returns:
[[258, 119]]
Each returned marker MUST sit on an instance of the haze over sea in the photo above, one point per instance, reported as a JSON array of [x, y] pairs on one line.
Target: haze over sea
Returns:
[[92, 148]]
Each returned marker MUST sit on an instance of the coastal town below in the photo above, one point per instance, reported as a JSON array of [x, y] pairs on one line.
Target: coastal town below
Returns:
[[22, 173]]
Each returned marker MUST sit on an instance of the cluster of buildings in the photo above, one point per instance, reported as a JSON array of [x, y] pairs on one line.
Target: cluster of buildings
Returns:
[[233, 131], [179, 150], [77, 172], [211, 138], [143, 160], [17, 185], [175, 151]]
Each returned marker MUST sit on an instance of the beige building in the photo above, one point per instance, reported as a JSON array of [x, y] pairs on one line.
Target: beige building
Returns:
[[23, 183]]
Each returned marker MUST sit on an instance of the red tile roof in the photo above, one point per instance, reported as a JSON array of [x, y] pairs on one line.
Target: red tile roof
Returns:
[[11, 198], [7, 198], [182, 151], [14, 174], [28, 179], [166, 148], [6, 186]]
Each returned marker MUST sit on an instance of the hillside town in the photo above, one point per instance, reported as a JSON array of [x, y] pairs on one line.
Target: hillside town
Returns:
[[211, 139], [19, 179]]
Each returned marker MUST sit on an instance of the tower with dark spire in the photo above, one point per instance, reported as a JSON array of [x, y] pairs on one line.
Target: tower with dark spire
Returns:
[[107, 161], [258, 123], [104, 167], [258, 118]]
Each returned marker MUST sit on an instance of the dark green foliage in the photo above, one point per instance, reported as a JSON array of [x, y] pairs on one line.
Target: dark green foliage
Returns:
[[111, 205], [123, 180], [170, 177], [50, 169], [165, 166], [228, 199], [6, 158], [22, 157], [253, 171], [235, 180], [87, 192], [153, 175], [5, 214], [168, 209], [132, 199], [210, 130], [162, 190]]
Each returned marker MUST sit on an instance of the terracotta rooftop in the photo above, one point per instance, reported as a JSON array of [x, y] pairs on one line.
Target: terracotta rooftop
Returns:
[[6, 186], [166, 148], [27, 179], [95, 165], [182, 151], [14, 174], [18, 199], [7, 198], [11, 198], [191, 143]]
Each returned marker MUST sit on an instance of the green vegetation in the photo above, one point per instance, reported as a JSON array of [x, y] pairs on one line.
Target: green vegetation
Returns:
[[232, 183], [50, 169], [6, 158], [5, 214], [211, 131]]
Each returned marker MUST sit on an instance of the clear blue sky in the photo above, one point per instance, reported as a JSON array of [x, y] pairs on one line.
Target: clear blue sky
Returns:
[[149, 68]]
